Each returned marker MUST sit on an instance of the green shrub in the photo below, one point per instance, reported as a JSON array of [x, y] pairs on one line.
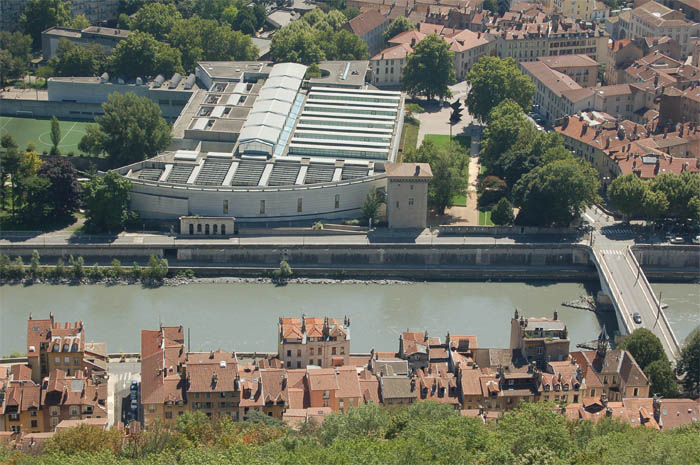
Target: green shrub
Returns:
[[136, 272], [17, 269], [157, 268], [4, 266], [35, 265], [59, 270], [77, 267], [115, 271], [285, 270], [95, 273]]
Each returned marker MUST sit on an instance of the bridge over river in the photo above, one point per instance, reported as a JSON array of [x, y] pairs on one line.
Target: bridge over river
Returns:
[[622, 279]]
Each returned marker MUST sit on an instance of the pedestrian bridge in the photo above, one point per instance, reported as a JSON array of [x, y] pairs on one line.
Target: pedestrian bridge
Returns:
[[622, 279]]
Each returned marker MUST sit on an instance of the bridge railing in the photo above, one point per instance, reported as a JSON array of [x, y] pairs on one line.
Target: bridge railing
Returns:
[[607, 281], [628, 251]]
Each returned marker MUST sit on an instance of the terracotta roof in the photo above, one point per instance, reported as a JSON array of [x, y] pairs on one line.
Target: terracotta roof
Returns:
[[366, 22], [323, 379], [568, 61], [21, 396], [678, 412], [470, 381], [394, 53], [554, 80], [369, 385], [211, 377], [348, 382], [411, 37]]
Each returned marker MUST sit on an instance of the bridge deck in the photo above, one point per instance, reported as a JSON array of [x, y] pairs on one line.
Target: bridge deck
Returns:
[[630, 292]]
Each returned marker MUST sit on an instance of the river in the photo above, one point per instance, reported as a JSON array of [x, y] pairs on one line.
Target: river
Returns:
[[244, 317]]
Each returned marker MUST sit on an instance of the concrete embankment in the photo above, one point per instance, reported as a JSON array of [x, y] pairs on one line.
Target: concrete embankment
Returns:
[[382, 261]]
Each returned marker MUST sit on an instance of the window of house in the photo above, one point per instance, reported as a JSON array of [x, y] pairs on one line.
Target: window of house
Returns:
[[298, 364], [225, 209], [223, 229], [206, 229], [35, 424], [74, 411], [311, 350], [191, 229], [76, 361], [298, 352], [397, 204], [410, 201], [215, 229], [289, 364], [169, 415], [337, 200], [311, 362], [57, 360], [299, 205], [636, 392], [199, 228], [332, 350], [342, 351], [32, 413], [262, 207], [289, 353], [319, 363]]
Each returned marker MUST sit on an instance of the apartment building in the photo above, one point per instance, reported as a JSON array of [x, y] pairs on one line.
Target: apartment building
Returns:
[[370, 26], [323, 342], [581, 68], [552, 89], [653, 19], [540, 340], [588, 10], [621, 54], [51, 346], [678, 106], [528, 39], [387, 65], [106, 37], [210, 385], [21, 407], [76, 397]]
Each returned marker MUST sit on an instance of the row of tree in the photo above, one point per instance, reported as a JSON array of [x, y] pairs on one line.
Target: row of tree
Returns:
[[425, 432], [532, 168], [667, 195], [16, 270], [317, 37]]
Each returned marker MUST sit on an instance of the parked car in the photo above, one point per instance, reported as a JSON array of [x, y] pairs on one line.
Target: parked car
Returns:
[[637, 318], [133, 396], [134, 405], [677, 240], [696, 239], [134, 385]]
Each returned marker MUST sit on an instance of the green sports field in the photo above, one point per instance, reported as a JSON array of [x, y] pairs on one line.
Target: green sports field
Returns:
[[24, 130]]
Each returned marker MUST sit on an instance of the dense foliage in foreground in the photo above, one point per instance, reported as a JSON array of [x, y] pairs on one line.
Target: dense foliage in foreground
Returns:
[[420, 434]]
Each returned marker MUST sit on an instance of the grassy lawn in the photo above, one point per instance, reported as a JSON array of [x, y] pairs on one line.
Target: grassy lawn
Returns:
[[485, 218], [409, 136], [459, 200], [38, 131], [443, 140]]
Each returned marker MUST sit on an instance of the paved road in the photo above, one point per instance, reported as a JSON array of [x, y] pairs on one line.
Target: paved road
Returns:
[[633, 293], [120, 376]]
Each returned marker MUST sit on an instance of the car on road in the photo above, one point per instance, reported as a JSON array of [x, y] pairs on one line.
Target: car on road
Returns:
[[134, 405], [637, 318], [134, 385], [696, 240], [677, 240]]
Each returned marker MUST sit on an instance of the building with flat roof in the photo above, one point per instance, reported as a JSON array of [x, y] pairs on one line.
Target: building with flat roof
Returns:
[[261, 142], [106, 37]]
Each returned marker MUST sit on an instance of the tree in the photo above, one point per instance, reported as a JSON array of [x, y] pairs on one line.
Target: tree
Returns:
[[627, 194], [142, 55], [555, 193], [430, 69], [157, 268], [370, 208], [106, 201], [79, 22], [682, 192], [55, 135], [35, 195], [200, 39], [492, 80], [39, 15], [157, 19], [506, 121], [661, 379], [399, 25], [502, 213], [91, 142], [688, 367], [64, 188], [35, 264], [344, 45], [10, 167], [528, 151], [644, 346], [449, 173], [296, 43], [130, 130], [491, 5], [15, 54], [76, 60], [84, 438], [654, 204]]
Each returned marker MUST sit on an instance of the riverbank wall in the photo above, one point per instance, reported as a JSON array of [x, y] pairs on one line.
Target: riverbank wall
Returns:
[[571, 262]]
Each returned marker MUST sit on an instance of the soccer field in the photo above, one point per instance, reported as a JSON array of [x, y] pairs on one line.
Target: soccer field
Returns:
[[24, 130]]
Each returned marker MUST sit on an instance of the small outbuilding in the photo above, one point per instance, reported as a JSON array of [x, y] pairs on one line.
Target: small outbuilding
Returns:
[[207, 225]]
